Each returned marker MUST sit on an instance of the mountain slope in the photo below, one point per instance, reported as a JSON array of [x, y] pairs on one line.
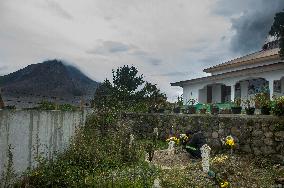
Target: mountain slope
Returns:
[[48, 79]]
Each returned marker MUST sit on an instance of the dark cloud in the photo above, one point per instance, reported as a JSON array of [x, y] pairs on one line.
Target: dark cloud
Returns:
[[107, 47], [58, 9], [146, 57], [251, 20]]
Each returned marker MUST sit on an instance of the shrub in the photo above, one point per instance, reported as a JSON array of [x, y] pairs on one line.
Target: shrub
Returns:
[[262, 100], [46, 105], [99, 156], [278, 106]]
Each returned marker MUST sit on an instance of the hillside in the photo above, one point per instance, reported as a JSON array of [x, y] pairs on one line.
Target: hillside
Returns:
[[50, 80]]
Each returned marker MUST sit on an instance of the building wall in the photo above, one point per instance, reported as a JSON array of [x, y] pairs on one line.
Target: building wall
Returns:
[[194, 88], [202, 95], [31, 132]]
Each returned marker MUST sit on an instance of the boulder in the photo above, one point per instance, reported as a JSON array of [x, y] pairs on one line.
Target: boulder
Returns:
[[268, 134], [215, 135], [257, 133], [279, 136], [266, 150], [268, 141]]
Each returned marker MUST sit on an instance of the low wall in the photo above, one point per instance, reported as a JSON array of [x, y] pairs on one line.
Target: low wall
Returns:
[[258, 135], [31, 132]]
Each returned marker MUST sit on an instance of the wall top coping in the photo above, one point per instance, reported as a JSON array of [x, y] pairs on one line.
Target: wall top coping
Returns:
[[242, 116]]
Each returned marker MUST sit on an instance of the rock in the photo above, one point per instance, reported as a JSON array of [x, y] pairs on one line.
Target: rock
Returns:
[[268, 134], [268, 141], [221, 125], [215, 144], [215, 135], [280, 148], [257, 142], [272, 127], [266, 150], [278, 159], [256, 151], [279, 136], [221, 131], [257, 133], [246, 148], [207, 134], [235, 131]]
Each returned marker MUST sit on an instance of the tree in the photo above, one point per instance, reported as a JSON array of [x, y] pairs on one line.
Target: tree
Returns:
[[152, 95], [125, 79], [277, 30], [125, 92], [104, 95]]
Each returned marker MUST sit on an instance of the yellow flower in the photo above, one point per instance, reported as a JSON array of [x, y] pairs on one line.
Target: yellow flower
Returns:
[[224, 184], [230, 141], [175, 139]]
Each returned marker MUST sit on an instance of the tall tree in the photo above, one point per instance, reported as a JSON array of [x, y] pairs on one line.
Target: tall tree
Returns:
[[277, 30], [126, 81], [104, 95], [128, 91]]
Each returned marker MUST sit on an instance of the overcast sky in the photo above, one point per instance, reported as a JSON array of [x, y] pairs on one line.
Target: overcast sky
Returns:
[[167, 40]]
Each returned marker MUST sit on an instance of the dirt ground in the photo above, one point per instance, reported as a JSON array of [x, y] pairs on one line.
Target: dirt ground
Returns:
[[180, 170]]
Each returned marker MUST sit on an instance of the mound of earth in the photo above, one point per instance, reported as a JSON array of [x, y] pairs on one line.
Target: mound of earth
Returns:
[[180, 159]]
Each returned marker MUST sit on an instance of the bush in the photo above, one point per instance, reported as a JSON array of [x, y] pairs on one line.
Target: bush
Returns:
[[278, 106], [99, 156], [46, 105], [262, 100]]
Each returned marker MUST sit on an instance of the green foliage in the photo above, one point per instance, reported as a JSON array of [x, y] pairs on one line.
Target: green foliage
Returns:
[[262, 100], [46, 105], [104, 95], [124, 93], [278, 106], [8, 175], [99, 156], [249, 102], [126, 81], [277, 30], [180, 100], [237, 102]]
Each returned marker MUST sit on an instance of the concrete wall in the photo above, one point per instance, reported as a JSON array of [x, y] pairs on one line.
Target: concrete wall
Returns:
[[31, 132], [258, 135]]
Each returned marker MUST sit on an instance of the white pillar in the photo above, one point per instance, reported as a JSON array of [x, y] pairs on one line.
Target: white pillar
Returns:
[[244, 89], [233, 92], [271, 81]]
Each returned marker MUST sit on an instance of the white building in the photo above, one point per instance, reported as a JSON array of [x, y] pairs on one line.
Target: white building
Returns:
[[241, 77]]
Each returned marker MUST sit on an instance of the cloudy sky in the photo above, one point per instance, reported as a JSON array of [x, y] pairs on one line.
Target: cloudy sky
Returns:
[[167, 40]]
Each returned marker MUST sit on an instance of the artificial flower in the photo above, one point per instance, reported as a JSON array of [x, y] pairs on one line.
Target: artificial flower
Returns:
[[230, 141], [224, 184]]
